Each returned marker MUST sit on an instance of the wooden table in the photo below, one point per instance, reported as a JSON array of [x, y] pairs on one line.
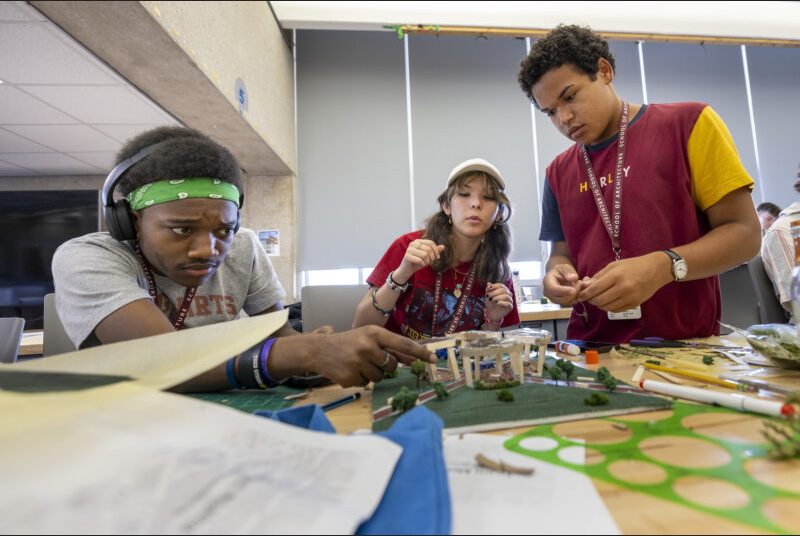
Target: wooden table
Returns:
[[529, 311], [32, 343], [637, 512], [552, 317]]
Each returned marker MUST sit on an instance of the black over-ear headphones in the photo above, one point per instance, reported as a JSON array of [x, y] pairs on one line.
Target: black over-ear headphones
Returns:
[[118, 213]]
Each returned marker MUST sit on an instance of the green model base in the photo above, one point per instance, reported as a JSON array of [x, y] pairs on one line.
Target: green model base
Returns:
[[470, 407]]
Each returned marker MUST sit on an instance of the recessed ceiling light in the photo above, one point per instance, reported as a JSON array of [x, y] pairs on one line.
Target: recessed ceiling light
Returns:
[[1, 82]]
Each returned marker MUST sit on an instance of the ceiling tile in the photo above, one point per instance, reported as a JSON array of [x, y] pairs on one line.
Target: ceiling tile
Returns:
[[33, 53], [11, 143], [51, 163], [123, 133], [67, 138], [18, 11], [102, 160], [10, 170], [19, 108], [101, 104]]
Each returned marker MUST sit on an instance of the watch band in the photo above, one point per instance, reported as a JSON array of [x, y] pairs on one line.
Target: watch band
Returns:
[[674, 256]]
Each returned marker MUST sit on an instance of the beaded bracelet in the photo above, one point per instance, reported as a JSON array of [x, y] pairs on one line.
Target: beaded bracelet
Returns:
[[394, 285], [262, 364], [384, 312]]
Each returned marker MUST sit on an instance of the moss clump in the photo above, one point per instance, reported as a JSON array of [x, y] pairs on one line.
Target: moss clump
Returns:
[[596, 399], [504, 395]]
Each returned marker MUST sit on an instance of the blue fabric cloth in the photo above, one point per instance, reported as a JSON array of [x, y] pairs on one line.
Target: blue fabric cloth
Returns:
[[309, 416], [417, 499]]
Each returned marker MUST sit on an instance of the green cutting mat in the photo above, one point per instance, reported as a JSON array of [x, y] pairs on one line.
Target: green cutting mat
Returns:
[[252, 400], [627, 450], [470, 407]]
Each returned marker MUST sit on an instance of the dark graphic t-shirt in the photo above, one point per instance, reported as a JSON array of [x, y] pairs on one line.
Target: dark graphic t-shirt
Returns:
[[413, 313]]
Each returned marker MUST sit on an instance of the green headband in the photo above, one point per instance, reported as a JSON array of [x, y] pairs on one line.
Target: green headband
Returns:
[[156, 193]]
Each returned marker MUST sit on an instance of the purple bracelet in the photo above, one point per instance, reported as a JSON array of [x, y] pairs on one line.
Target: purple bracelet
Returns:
[[262, 363]]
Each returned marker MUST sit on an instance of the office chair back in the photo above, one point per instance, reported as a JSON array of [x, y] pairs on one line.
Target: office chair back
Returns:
[[739, 298], [770, 308], [55, 338], [10, 337], [333, 305]]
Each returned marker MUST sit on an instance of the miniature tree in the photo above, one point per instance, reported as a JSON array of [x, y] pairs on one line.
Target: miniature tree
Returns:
[[596, 399], [568, 367], [404, 400], [504, 395], [555, 372], [708, 359], [605, 377], [441, 391], [418, 370]]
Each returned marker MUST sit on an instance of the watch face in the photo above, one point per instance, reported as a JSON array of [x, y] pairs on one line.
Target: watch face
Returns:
[[679, 269]]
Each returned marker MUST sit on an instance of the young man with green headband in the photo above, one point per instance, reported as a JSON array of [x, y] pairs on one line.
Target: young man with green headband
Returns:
[[175, 258]]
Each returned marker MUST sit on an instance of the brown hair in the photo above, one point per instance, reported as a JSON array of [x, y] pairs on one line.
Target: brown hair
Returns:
[[492, 256]]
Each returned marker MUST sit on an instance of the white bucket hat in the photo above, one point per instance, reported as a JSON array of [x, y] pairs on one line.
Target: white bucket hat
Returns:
[[476, 164]]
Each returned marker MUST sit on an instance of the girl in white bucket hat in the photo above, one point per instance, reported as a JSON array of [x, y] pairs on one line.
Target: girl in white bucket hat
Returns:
[[453, 275]]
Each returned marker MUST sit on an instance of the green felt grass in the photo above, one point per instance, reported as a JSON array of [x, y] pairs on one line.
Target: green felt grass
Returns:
[[470, 407]]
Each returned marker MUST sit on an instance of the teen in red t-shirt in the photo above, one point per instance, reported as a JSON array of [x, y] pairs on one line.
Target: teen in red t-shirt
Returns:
[[454, 275]]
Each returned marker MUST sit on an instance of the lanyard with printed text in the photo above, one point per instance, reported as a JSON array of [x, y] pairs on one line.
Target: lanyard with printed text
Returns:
[[151, 288], [612, 226], [462, 302]]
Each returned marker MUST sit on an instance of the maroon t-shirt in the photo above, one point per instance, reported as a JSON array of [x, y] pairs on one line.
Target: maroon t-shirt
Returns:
[[658, 212], [413, 313]]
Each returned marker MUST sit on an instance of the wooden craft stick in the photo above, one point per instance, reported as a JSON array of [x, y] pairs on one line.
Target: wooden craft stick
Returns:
[[483, 461]]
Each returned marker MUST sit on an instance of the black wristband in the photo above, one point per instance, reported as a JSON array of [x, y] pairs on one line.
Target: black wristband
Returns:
[[244, 367]]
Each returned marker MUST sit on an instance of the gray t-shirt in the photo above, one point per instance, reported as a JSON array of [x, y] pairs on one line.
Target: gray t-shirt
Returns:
[[96, 274]]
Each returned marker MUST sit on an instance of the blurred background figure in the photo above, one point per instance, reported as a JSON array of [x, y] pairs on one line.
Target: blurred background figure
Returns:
[[767, 214]]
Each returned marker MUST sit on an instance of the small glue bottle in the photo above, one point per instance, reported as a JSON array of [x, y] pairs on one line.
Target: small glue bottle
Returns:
[[567, 348]]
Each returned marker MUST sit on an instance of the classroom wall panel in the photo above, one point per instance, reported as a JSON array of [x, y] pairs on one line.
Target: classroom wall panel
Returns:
[[465, 103], [713, 74], [354, 193], [775, 86]]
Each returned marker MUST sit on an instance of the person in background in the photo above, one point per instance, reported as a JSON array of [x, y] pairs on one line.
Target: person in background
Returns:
[[176, 259], [767, 214], [454, 275], [778, 254], [644, 210]]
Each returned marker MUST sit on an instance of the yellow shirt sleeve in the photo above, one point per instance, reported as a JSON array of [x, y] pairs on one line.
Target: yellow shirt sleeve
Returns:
[[714, 161]]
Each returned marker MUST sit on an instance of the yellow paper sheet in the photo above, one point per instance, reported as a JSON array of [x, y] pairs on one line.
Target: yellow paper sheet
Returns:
[[163, 361]]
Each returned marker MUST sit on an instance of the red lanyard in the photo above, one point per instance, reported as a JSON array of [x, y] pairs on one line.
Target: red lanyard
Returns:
[[612, 227], [151, 288], [462, 302]]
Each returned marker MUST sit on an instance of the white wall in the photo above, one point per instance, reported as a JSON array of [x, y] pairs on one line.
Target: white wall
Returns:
[[765, 20]]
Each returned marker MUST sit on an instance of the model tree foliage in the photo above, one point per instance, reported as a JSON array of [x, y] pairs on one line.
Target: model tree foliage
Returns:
[[596, 399], [605, 377], [561, 369], [404, 400], [440, 390], [418, 370], [504, 395]]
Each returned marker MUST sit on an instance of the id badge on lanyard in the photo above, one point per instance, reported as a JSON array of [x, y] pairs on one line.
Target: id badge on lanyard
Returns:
[[634, 313], [613, 222]]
